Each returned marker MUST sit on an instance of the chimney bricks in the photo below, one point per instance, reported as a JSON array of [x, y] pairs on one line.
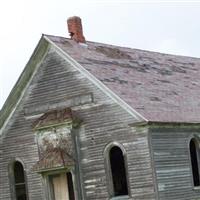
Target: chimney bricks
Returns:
[[75, 29]]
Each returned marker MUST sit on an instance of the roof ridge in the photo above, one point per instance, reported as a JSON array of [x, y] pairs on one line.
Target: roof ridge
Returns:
[[128, 47]]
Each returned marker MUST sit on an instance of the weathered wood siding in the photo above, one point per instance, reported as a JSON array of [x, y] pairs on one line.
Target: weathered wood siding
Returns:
[[170, 147], [101, 127], [58, 85]]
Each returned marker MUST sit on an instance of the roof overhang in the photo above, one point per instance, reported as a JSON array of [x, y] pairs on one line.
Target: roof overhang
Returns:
[[22, 83]]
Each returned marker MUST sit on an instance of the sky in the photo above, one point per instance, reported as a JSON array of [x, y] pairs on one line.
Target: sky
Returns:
[[164, 25]]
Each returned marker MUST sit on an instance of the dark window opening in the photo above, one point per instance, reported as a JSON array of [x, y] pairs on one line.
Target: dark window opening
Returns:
[[20, 185], [194, 162], [70, 186], [118, 172]]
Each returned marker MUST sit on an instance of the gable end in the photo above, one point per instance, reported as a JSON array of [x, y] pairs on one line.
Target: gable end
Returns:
[[98, 83], [20, 86]]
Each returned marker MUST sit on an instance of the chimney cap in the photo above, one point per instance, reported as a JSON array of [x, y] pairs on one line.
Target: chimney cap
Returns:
[[75, 29], [74, 17]]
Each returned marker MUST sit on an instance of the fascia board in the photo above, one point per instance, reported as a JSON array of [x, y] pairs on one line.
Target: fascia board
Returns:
[[22, 83]]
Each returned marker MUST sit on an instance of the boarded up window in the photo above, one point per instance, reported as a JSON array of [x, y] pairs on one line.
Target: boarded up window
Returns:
[[62, 186], [194, 162], [20, 185], [118, 171]]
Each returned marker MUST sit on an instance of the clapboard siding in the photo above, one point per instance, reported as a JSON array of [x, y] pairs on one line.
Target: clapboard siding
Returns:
[[93, 140], [19, 143], [55, 85], [170, 148]]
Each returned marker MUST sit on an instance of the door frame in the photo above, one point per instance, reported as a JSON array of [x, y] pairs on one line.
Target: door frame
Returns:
[[48, 190]]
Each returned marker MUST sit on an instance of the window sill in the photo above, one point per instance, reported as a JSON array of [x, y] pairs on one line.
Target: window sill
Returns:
[[125, 197], [196, 188]]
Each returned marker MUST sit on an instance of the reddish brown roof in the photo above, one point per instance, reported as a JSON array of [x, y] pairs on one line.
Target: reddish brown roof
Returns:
[[161, 87]]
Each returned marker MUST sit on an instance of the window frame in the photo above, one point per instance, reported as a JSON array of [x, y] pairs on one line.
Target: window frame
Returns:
[[108, 170], [48, 185], [197, 147], [12, 178]]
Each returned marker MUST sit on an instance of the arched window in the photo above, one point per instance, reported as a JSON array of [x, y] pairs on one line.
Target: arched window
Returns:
[[118, 172], [194, 161], [19, 181]]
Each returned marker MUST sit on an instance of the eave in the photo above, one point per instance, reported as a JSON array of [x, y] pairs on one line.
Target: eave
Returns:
[[21, 84]]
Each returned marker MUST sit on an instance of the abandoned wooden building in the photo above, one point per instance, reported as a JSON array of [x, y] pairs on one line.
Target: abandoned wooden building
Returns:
[[91, 121]]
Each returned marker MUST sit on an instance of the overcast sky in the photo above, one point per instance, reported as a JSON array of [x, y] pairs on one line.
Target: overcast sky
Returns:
[[165, 26]]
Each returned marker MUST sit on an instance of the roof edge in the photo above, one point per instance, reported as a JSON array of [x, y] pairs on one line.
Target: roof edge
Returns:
[[19, 87], [166, 124], [97, 82]]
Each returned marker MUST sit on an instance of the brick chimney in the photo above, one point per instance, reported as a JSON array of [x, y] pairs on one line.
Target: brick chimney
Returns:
[[75, 29]]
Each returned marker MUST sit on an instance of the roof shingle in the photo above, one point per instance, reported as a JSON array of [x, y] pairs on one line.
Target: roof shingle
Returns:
[[161, 87]]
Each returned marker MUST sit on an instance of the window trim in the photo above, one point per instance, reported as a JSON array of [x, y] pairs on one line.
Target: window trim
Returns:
[[12, 177], [109, 178], [197, 146], [47, 182]]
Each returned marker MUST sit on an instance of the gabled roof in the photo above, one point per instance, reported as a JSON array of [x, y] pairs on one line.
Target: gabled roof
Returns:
[[161, 87], [152, 86]]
